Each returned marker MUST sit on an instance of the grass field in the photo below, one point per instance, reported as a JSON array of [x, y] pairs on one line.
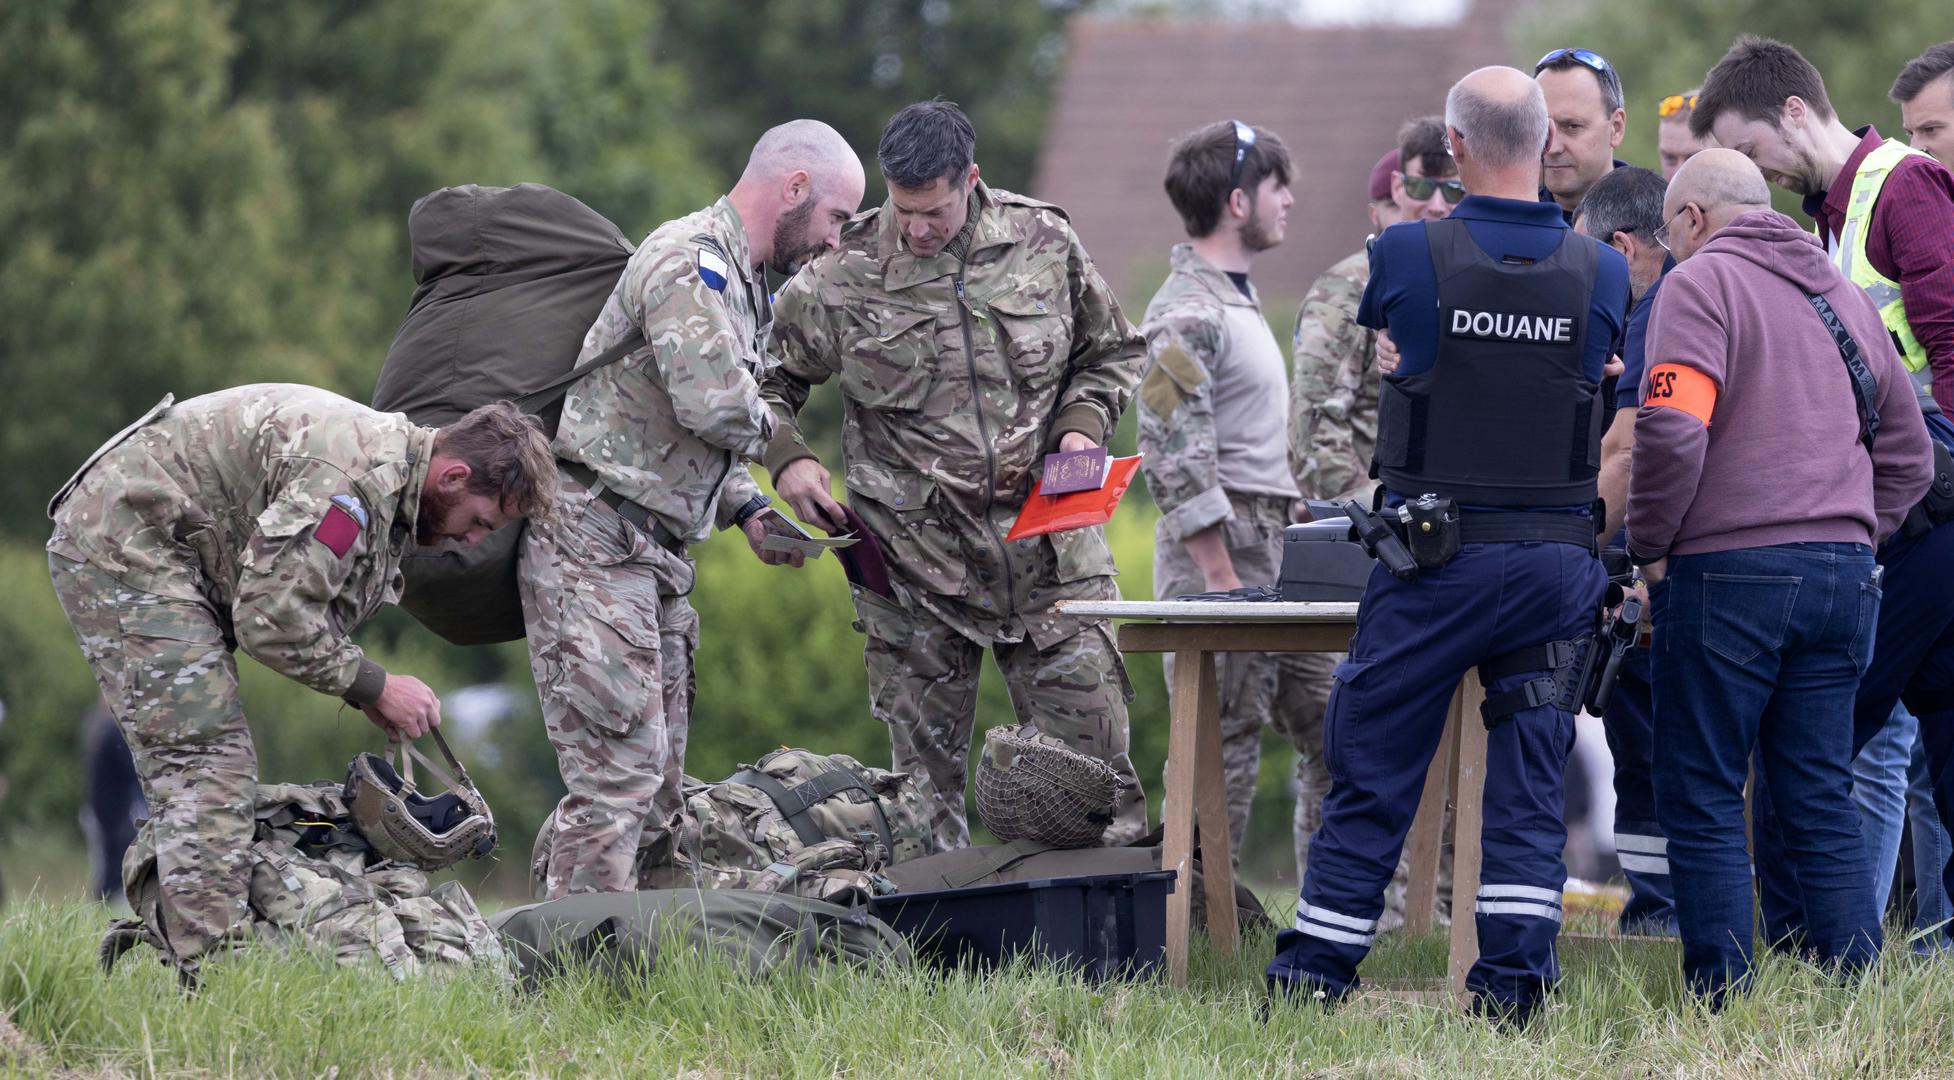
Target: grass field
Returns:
[[1620, 1014]]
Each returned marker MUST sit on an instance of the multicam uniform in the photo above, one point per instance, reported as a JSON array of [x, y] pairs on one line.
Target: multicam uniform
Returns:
[[1211, 426], [960, 371], [270, 518], [658, 436]]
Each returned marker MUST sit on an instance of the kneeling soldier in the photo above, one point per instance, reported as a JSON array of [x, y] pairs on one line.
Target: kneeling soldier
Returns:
[[270, 518]]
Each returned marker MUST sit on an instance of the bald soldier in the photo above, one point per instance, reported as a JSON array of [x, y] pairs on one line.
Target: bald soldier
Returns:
[[971, 335], [653, 451], [272, 519]]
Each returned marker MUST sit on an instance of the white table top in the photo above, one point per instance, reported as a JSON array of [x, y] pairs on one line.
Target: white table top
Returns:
[[1212, 611]]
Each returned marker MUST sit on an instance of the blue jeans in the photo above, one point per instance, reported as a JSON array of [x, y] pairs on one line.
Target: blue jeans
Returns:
[[1762, 648], [1879, 789]]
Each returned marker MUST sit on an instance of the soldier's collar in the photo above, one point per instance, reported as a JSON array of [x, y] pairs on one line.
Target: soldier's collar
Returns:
[[417, 459], [730, 231], [1185, 260]]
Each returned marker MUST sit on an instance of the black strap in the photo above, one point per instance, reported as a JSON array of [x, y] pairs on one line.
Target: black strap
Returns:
[[1549, 656], [639, 517], [794, 802], [557, 387], [995, 861], [1491, 527], [1865, 388]]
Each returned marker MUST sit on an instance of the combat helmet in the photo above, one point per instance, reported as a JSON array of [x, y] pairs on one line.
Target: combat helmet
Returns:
[[1032, 786], [406, 826]]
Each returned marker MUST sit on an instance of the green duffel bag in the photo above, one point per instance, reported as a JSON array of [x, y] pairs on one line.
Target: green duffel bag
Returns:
[[620, 934], [1028, 860]]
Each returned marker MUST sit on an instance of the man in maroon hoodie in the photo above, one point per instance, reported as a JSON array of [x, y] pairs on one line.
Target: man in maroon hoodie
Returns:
[[1778, 440]]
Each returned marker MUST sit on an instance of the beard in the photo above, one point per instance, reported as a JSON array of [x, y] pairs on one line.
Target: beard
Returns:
[[1258, 235], [791, 247], [436, 507]]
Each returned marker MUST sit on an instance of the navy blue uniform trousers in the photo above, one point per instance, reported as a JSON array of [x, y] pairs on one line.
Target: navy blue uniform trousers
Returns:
[[1639, 844], [1913, 661], [1415, 640]]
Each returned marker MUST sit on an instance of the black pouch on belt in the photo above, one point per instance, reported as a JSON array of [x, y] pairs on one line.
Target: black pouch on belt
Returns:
[[1431, 530]]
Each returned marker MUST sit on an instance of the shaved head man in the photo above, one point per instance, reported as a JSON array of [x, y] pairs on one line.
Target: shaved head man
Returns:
[[1712, 189], [801, 185]]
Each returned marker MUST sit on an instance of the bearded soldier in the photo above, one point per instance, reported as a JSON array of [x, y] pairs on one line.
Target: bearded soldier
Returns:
[[652, 450], [272, 519], [971, 336]]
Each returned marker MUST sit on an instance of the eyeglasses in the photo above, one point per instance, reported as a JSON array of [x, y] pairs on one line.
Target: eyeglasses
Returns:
[[1662, 232], [1244, 138], [1588, 58], [1674, 104], [1420, 188]]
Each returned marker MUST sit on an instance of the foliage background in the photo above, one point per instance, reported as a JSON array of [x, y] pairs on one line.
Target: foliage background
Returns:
[[199, 193]]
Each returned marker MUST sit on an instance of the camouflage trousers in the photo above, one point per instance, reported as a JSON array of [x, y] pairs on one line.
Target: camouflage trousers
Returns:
[[1287, 691], [922, 683], [611, 638], [166, 670]]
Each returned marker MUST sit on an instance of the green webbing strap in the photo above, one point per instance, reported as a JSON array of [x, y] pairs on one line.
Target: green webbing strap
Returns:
[[556, 387], [1001, 859], [795, 802]]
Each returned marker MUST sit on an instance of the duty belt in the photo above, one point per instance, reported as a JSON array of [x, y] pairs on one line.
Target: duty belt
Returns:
[[1491, 527], [639, 517]]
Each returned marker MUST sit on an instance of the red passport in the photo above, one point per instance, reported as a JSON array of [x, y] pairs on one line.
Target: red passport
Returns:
[[1044, 513]]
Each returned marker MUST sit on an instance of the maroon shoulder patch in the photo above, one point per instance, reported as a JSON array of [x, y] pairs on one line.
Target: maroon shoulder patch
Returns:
[[338, 531]]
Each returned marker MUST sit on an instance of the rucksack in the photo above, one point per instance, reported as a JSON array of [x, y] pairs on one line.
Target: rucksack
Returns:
[[620, 935], [814, 825], [508, 281], [317, 884]]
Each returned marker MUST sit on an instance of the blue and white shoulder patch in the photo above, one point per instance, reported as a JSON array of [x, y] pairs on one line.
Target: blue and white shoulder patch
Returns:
[[351, 504], [712, 269]]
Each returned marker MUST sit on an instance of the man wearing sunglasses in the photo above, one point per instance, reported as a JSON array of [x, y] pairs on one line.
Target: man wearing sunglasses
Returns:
[[1674, 142], [1586, 105], [1884, 210], [1488, 435], [1212, 422]]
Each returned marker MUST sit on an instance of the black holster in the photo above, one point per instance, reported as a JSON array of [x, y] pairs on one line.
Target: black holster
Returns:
[[1431, 530]]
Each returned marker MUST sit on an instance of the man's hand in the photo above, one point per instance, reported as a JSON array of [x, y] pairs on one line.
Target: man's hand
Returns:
[[756, 529], [1613, 367], [1387, 353], [407, 708], [1072, 441], [805, 486], [1654, 572], [1299, 511]]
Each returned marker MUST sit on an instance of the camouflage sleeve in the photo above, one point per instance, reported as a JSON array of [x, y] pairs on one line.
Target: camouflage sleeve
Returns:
[[1180, 457], [1107, 353], [301, 556], [804, 357], [1332, 357], [737, 491], [705, 362]]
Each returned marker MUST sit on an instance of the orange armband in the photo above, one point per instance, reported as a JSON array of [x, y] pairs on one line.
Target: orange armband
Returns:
[[1673, 386]]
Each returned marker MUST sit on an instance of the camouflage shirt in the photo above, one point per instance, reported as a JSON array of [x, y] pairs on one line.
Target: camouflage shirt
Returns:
[[1333, 391], [959, 375], [667, 426], [1212, 420], [285, 508]]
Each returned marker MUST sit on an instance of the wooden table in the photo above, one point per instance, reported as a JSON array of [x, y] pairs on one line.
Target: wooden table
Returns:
[[1194, 631]]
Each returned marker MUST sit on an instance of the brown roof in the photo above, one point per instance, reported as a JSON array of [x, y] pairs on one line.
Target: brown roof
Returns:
[[1336, 95]]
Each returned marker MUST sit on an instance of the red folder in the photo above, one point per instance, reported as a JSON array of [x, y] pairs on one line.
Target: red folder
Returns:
[[1056, 513]]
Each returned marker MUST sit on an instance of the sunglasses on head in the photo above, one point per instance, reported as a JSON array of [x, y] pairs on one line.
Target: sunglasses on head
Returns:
[[1588, 58], [1244, 138], [1420, 188], [1674, 104]]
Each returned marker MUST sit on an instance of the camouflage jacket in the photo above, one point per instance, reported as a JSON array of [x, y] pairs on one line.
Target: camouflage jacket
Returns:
[[958, 376], [1333, 391], [1211, 415], [285, 508], [667, 426]]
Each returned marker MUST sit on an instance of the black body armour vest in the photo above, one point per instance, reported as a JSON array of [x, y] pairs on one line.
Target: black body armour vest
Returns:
[[1505, 416]]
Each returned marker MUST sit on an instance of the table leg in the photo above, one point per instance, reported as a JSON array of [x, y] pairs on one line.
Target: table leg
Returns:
[[1211, 813], [1428, 829], [1469, 782], [1177, 811]]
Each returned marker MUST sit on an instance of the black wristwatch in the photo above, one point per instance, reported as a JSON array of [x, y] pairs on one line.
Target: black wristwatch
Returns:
[[749, 508]]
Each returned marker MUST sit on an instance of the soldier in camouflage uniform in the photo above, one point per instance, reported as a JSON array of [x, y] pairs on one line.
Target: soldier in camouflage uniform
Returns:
[[1211, 415], [270, 518], [1332, 436], [971, 335], [653, 450]]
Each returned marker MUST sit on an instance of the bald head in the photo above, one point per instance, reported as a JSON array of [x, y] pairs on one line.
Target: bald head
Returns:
[[1712, 189], [1498, 119], [801, 184]]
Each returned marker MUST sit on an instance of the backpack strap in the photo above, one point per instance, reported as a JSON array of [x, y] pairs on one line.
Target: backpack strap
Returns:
[[557, 387], [995, 861], [795, 802], [1864, 385]]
